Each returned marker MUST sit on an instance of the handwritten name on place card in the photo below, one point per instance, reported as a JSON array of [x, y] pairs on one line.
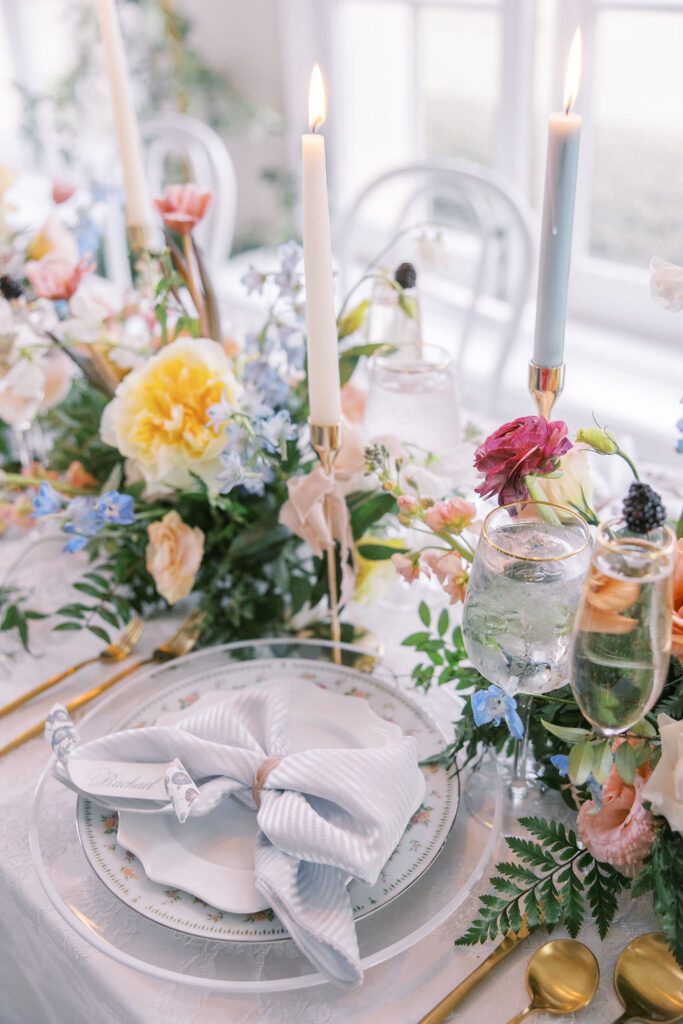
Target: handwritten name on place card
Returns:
[[119, 778]]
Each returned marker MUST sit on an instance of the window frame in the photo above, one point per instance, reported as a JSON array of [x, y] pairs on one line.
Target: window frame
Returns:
[[601, 291]]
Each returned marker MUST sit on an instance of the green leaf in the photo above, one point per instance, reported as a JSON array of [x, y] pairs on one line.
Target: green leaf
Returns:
[[643, 728], [625, 761], [444, 620], [108, 616], [580, 763], [68, 625], [378, 552], [87, 588], [642, 752], [415, 638], [602, 761], [567, 733], [353, 320], [369, 510], [424, 613], [408, 305], [99, 632]]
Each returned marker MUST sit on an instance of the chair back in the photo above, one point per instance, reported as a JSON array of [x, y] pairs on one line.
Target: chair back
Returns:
[[469, 233], [178, 148]]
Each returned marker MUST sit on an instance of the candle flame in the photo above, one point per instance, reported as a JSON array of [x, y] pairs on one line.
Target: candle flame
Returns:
[[317, 105], [571, 82]]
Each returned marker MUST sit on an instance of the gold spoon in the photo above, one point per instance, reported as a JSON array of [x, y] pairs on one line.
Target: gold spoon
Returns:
[[562, 977], [649, 982]]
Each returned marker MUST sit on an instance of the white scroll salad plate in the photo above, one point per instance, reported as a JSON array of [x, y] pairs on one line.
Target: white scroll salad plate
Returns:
[[198, 877]]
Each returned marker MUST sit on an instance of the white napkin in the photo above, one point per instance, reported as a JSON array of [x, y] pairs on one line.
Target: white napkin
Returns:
[[324, 814]]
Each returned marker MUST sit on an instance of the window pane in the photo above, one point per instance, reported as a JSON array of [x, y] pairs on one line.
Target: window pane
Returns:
[[461, 62], [637, 207], [373, 110]]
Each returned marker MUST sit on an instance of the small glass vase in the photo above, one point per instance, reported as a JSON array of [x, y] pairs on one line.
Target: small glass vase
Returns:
[[622, 633]]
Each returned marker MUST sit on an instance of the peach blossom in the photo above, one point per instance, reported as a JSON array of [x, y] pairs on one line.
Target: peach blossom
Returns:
[[77, 476], [677, 616], [450, 571], [56, 277], [606, 599], [182, 207], [405, 567], [622, 831], [353, 403], [53, 237], [452, 515], [407, 507], [173, 556]]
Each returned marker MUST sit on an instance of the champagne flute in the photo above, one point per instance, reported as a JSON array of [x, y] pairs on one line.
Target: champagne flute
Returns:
[[622, 635], [523, 591]]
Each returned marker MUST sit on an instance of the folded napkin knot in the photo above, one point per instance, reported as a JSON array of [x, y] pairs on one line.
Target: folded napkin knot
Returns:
[[262, 773]]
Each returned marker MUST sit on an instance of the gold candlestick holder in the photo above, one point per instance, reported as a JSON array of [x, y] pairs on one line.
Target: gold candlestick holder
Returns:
[[326, 441], [545, 384]]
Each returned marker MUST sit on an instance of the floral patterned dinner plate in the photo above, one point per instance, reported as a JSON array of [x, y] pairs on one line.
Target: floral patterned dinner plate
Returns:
[[172, 905]]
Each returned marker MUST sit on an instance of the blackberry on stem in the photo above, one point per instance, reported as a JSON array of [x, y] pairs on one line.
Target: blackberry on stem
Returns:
[[10, 287], [643, 508], [405, 275]]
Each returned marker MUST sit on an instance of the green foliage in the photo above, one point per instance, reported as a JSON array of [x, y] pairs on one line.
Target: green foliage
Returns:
[[550, 881], [14, 616], [75, 425], [663, 877], [348, 359]]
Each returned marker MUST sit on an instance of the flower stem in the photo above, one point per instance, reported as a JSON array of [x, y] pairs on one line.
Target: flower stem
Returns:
[[18, 479], [538, 497], [626, 459], [188, 246]]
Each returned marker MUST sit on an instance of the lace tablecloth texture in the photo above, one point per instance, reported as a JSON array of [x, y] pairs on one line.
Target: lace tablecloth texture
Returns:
[[49, 975]]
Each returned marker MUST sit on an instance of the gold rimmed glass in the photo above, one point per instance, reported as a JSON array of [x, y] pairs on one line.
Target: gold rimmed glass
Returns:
[[622, 634], [526, 580]]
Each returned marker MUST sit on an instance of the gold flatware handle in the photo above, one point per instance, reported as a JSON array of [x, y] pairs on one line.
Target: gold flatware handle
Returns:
[[454, 998], [522, 1015], [73, 705], [52, 681]]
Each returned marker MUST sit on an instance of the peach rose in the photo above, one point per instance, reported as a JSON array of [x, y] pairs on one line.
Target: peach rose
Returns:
[[173, 556], [77, 476], [55, 276], [182, 207], [677, 616], [452, 515], [53, 237], [606, 599], [621, 833]]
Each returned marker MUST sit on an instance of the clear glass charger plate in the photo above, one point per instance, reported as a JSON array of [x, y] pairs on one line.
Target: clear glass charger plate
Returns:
[[152, 948]]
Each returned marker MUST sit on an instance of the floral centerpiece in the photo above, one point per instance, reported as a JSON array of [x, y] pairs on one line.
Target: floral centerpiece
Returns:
[[171, 446]]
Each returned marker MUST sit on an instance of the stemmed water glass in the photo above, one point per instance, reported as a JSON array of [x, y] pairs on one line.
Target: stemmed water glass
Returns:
[[524, 587], [622, 634]]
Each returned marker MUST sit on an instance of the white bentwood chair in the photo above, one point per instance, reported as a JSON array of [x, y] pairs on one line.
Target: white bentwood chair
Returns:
[[482, 279]]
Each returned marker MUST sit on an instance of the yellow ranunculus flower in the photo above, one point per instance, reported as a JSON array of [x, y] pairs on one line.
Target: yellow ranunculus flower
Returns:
[[158, 419]]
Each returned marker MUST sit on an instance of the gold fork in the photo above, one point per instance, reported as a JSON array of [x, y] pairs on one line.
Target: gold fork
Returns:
[[116, 651], [182, 642]]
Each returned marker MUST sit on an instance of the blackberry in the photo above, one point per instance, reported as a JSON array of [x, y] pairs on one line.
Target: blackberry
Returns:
[[643, 508], [10, 287], [406, 275]]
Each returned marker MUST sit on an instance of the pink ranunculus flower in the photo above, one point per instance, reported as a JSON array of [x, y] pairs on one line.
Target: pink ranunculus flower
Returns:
[[450, 571], [527, 445], [173, 556], [621, 833], [406, 567], [453, 515], [55, 277], [182, 207]]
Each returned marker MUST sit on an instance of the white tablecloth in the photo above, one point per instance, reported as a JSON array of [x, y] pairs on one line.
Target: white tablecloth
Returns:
[[50, 975]]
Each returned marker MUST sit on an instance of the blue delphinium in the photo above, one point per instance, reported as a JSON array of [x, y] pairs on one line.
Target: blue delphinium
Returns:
[[277, 431], [561, 762], [46, 501], [493, 704], [679, 426], [116, 508], [232, 473]]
